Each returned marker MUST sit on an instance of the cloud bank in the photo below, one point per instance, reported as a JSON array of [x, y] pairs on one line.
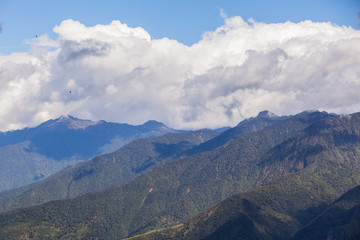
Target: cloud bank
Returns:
[[119, 73]]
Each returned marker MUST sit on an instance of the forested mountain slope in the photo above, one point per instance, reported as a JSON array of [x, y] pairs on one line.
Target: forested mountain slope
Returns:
[[340, 221], [169, 194], [263, 119], [322, 162], [105, 171], [101, 173]]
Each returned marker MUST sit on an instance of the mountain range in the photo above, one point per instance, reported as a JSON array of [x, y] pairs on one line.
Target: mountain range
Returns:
[[270, 177], [31, 154], [105, 171], [124, 164]]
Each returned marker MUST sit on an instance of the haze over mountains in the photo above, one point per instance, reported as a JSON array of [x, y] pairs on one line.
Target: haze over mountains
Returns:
[[32, 154]]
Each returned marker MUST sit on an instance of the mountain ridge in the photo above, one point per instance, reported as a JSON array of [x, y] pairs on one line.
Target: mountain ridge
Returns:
[[107, 170], [172, 192], [9, 200], [313, 202], [38, 152], [252, 124]]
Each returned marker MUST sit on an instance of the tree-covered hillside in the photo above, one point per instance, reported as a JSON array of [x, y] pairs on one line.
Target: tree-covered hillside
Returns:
[[132, 160], [322, 164], [166, 196], [105, 171]]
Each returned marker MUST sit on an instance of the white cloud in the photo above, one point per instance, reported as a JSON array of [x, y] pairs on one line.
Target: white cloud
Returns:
[[42, 41], [118, 73]]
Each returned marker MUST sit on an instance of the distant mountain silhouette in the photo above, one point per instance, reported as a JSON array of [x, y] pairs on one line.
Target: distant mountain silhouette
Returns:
[[31, 154]]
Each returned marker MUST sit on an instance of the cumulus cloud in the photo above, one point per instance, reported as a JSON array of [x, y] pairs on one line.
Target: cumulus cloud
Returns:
[[118, 73]]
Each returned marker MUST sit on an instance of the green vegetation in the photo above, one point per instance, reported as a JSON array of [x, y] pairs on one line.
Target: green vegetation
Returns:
[[340, 221], [132, 160], [107, 170], [174, 192], [264, 119], [275, 211], [303, 199]]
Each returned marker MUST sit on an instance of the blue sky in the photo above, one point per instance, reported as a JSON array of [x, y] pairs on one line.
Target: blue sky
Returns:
[[189, 64], [184, 20]]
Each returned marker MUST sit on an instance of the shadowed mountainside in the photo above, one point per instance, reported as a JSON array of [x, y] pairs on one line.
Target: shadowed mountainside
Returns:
[[340, 221]]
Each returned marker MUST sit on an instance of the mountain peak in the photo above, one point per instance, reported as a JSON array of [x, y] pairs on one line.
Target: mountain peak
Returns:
[[153, 123], [267, 114], [66, 118], [73, 122]]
